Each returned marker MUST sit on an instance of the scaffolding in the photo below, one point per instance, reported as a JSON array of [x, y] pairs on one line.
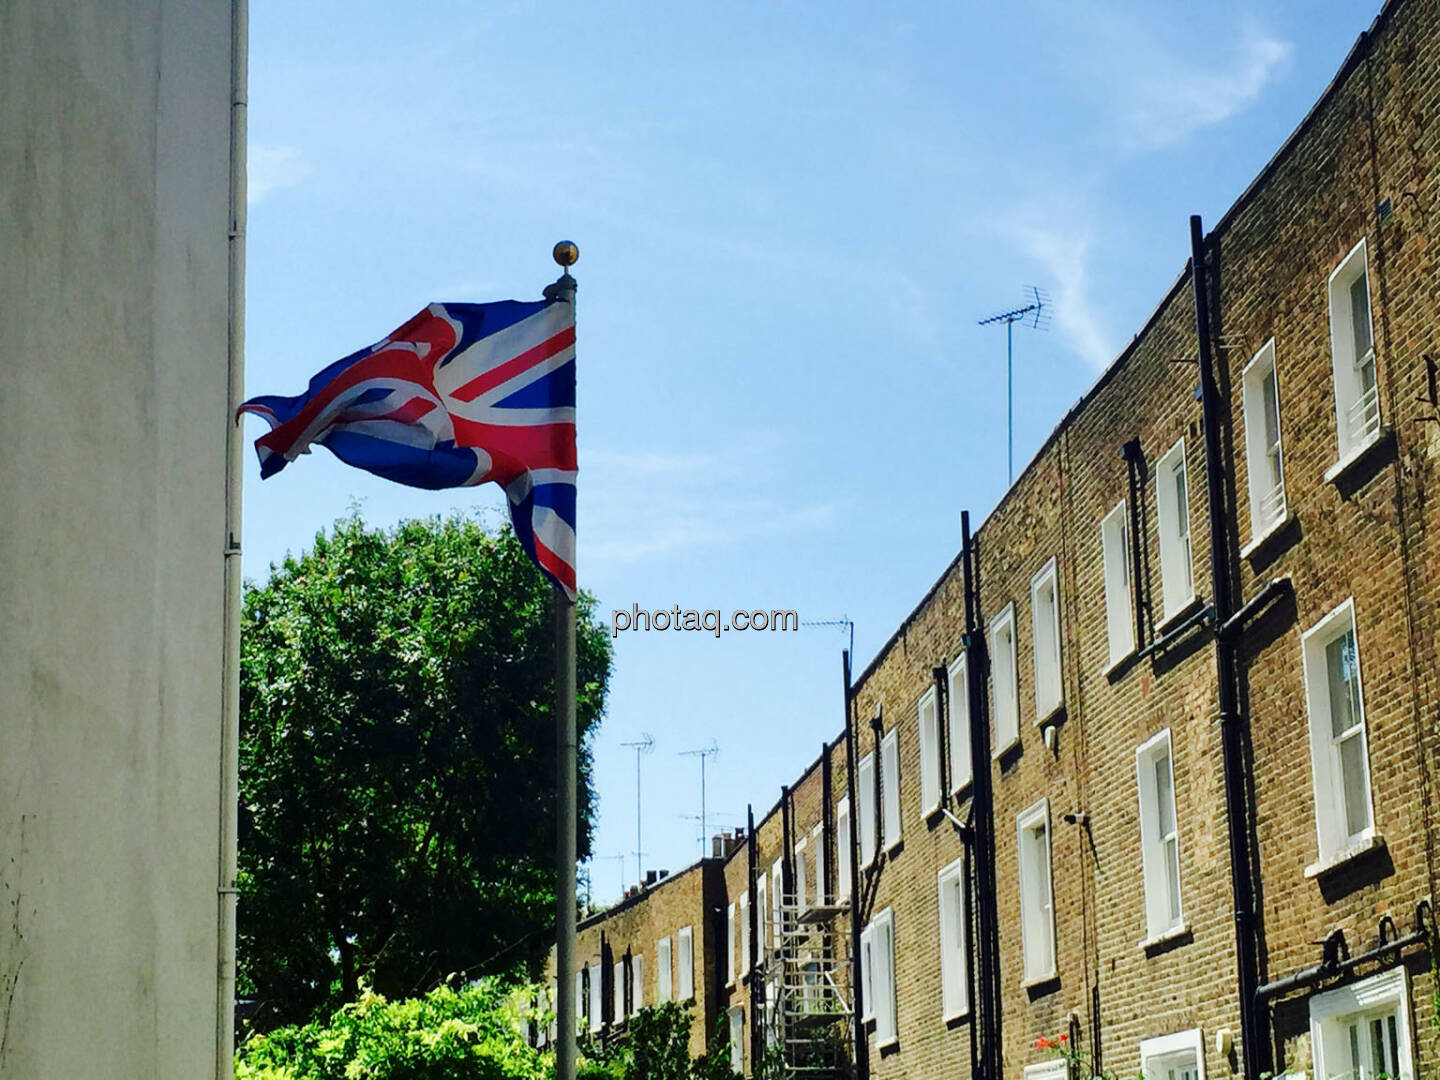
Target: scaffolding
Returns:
[[806, 974]]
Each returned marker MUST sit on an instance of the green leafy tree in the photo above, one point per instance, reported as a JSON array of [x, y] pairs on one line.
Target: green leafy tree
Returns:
[[397, 768]]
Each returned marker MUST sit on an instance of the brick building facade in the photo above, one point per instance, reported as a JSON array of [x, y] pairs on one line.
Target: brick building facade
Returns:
[[1179, 694]]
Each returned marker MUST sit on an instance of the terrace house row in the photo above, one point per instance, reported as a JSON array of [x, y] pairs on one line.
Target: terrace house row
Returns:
[[1151, 766]]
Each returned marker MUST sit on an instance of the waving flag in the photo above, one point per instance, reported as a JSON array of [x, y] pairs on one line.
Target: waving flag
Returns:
[[461, 394]]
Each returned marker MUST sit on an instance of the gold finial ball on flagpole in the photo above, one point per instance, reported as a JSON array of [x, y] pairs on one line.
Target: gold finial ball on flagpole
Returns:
[[566, 253]]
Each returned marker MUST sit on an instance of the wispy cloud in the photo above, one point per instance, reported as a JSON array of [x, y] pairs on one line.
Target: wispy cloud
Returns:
[[1169, 98], [1060, 245], [272, 168], [648, 504]]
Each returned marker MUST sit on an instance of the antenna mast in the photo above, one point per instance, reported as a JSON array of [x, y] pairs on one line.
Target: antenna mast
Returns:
[[643, 745], [1035, 313], [709, 751]]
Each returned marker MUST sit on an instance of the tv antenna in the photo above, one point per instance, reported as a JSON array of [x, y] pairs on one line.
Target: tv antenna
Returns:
[[709, 751], [643, 745], [1035, 313]]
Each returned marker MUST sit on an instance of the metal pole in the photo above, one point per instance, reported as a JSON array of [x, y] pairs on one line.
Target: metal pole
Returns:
[[704, 832], [639, 856], [1254, 1048], [1010, 398], [565, 801], [232, 574]]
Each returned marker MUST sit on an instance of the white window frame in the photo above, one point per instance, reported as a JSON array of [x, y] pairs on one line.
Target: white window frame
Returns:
[[664, 971], [618, 1012], [1385, 993], [817, 845], [877, 974], [957, 722], [1037, 905], [950, 889], [777, 901], [1046, 647], [865, 797], [597, 996], [842, 849], [1177, 558], [1267, 500], [890, 788], [637, 983], [1357, 408], [1155, 846], [582, 1002], [1119, 582], [927, 721], [1004, 680], [731, 939], [1162, 1052], [742, 912], [685, 980], [762, 915], [802, 866], [736, 1017], [1058, 1069], [1334, 839]]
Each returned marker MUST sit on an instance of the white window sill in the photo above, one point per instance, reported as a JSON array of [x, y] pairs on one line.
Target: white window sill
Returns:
[[960, 789], [1341, 467], [1001, 751], [1174, 618], [1164, 936], [1256, 543], [1050, 713], [1119, 662], [890, 847], [1039, 980], [933, 808], [1361, 845], [887, 1042], [950, 1018]]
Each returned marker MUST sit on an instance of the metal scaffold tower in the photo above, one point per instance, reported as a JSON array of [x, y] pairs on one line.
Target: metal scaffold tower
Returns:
[[807, 1005]]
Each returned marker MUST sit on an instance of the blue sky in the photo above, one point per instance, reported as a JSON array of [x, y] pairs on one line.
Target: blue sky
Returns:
[[790, 219]]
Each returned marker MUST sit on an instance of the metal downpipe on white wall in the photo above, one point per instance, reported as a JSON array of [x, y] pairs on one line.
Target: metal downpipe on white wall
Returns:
[[229, 764]]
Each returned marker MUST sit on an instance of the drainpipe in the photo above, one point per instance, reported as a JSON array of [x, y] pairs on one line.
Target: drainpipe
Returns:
[[985, 1006], [1253, 1039], [826, 881], [229, 763], [752, 971], [857, 992], [1134, 463]]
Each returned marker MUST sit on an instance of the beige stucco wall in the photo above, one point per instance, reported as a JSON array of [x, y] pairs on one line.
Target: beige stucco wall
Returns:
[[114, 163]]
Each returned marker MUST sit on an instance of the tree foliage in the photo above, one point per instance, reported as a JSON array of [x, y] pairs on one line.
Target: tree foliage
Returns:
[[398, 763], [477, 1032]]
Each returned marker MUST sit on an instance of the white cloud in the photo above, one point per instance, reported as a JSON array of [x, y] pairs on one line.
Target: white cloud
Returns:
[[271, 168], [1169, 98], [647, 504], [1063, 253]]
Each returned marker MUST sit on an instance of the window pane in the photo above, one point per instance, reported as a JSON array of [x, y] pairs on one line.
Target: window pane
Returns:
[[1352, 773], [1172, 877], [1355, 1050], [1343, 675], [1164, 795], [1182, 503], [1360, 316]]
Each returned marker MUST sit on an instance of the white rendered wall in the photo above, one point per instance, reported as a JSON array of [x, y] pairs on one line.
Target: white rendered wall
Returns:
[[114, 162]]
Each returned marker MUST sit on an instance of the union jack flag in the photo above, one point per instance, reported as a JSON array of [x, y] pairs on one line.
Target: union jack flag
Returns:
[[461, 394]]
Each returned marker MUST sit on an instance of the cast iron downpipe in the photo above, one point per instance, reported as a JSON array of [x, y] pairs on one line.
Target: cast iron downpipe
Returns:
[[752, 970], [985, 1005], [857, 993], [1134, 462], [1253, 1042]]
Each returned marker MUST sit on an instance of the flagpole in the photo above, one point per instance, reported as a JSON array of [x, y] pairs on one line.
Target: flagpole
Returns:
[[565, 254]]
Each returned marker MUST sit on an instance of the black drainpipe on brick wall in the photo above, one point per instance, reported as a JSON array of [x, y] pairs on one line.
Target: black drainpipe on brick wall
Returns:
[[826, 880], [1254, 1042], [753, 977], [787, 859], [857, 995], [1134, 467], [985, 1004]]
